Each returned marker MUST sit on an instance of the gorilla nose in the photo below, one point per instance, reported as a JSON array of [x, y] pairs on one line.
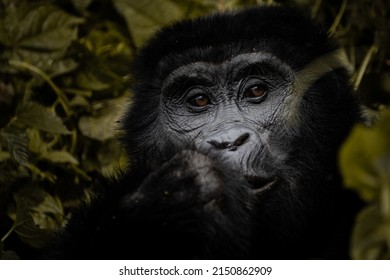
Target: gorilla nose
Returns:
[[230, 140]]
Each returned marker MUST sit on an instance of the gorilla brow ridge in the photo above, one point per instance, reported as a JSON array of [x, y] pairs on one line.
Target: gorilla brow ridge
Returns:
[[196, 69]]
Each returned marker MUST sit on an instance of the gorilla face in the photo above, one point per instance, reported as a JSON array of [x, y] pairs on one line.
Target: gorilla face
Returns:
[[264, 99], [250, 111], [228, 110]]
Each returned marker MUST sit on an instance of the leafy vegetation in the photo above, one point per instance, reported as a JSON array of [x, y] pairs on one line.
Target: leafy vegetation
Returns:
[[365, 163], [64, 80]]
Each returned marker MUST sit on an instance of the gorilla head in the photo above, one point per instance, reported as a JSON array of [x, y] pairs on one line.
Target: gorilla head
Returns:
[[264, 88], [233, 134]]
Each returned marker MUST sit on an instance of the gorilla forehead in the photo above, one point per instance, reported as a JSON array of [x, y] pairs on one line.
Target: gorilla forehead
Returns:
[[216, 39], [232, 69]]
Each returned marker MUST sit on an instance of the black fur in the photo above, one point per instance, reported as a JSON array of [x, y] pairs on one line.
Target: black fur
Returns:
[[183, 197]]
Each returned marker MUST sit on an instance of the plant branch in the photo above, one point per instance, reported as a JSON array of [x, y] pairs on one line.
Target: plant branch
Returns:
[[362, 69], [60, 95], [338, 17]]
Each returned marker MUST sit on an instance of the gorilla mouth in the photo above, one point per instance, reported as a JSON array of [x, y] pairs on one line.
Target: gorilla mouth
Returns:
[[260, 185]]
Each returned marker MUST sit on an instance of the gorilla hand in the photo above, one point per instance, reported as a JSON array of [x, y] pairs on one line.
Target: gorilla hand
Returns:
[[191, 207]]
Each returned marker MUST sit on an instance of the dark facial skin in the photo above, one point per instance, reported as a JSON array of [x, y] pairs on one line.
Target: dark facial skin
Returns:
[[228, 109]]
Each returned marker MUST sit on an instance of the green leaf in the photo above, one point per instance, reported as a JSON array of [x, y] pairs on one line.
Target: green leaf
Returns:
[[371, 236], [39, 34], [365, 158], [79, 101], [42, 175], [35, 115], [91, 81], [17, 143], [144, 17], [25, 227], [36, 144], [109, 55], [46, 210], [365, 166], [78, 93], [58, 67], [106, 40], [102, 127], [60, 157]]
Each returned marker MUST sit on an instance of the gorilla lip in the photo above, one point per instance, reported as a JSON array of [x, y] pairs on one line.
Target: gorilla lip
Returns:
[[259, 184]]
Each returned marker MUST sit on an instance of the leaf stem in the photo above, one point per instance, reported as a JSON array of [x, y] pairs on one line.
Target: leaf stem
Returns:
[[338, 17], [12, 229], [7, 234], [60, 95], [73, 145], [362, 69], [316, 8]]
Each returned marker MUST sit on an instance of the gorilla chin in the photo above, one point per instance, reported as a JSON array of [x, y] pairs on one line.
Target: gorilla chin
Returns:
[[233, 134]]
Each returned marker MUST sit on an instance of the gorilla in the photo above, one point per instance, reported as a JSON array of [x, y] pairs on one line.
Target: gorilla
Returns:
[[233, 135]]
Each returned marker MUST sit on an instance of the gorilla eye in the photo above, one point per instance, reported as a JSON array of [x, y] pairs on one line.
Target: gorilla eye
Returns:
[[200, 100], [257, 91]]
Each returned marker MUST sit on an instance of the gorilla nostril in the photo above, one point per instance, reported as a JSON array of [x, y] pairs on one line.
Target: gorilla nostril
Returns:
[[241, 140], [232, 148], [229, 145], [216, 144], [220, 145]]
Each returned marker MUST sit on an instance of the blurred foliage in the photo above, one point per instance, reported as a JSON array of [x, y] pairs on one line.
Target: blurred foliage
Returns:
[[365, 164], [64, 79]]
